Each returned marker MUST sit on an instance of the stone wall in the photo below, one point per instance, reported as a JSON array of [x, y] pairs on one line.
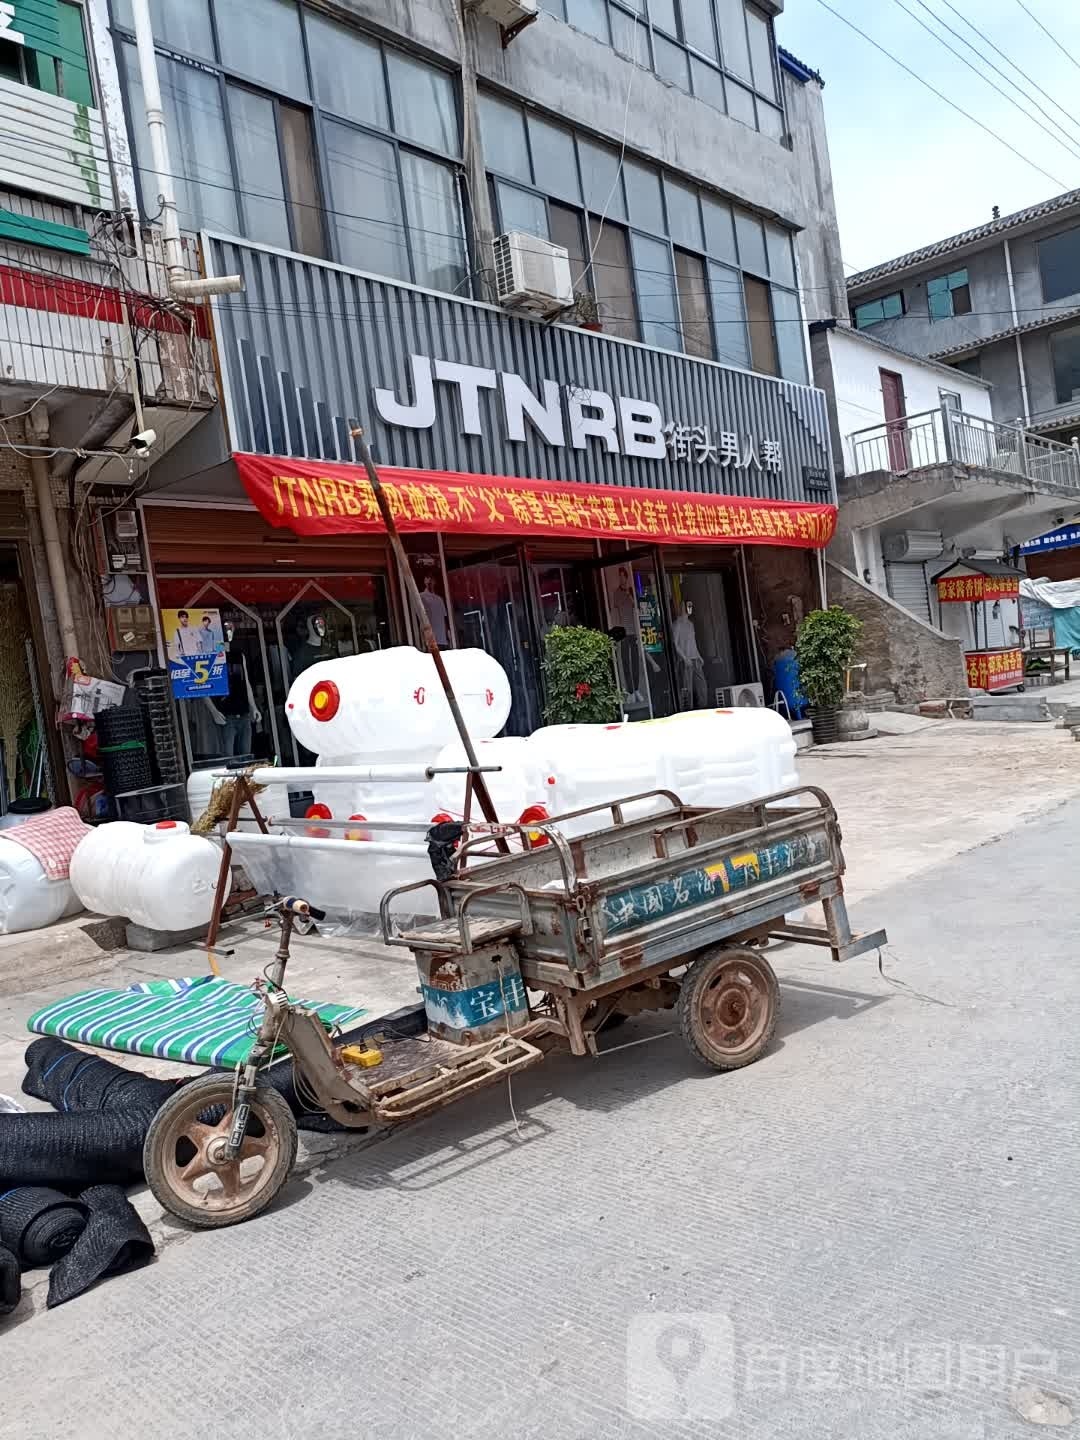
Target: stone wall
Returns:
[[902, 654], [783, 586]]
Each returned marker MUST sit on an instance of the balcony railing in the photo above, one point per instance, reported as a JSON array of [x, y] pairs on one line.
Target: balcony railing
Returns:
[[948, 436]]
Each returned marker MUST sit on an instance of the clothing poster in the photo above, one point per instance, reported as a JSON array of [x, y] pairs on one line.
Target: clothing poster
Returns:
[[195, 641]]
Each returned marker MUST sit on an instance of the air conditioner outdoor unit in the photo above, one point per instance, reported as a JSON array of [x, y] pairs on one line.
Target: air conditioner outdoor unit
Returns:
[[532, 274], [508, 13], [741, 697]]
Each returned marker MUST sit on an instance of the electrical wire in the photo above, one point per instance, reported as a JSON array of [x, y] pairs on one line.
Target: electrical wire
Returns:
[[940, 94], [1061, 139], [1049, 34]]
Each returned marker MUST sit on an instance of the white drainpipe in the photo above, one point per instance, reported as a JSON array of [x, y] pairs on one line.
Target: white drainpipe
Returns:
[[179, 285], [1020, 366]]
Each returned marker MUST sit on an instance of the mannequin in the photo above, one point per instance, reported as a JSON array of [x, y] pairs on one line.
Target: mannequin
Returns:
[[312, 644], [435, 606], [235, 714], [623, 606], [693, 692]]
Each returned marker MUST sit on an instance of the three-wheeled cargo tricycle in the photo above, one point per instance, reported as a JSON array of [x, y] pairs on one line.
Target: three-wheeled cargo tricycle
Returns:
[[539, 947]]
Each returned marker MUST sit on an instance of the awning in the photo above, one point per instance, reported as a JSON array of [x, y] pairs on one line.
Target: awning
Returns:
[[313, 497]]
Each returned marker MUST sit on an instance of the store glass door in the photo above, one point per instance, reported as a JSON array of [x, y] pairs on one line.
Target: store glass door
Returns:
[[490, 613], [631, 598], [707, 650]]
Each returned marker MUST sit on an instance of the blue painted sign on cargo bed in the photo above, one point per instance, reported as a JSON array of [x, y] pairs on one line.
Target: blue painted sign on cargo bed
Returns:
[[643, 904], [478, 1006]]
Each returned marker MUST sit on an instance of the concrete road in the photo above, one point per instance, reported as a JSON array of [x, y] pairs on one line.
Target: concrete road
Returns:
[[870, 1233]]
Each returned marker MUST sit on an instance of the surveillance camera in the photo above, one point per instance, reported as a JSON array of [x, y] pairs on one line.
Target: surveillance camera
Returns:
[[144, 441]]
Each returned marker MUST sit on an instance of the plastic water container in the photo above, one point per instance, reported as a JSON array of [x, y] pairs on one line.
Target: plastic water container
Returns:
[[273, 801], [391, 702], [399, 801], [160, 876], [715, 758], [786, 680], [586, 765], [28, 898], [516, 787]]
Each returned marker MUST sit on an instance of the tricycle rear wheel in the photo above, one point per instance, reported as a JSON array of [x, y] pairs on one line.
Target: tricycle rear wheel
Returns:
[[184, 1153], [728, 1007]]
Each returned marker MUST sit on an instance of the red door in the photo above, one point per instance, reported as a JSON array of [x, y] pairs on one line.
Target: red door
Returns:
[[892, 395]]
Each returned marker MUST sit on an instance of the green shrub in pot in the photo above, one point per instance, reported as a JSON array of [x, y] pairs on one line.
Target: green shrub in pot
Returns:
[[826, 645], [579, 677]]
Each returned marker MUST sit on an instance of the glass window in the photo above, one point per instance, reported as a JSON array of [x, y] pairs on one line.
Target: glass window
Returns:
[[433, 211], [781, 254], [203, 172], [872, 312], [347, 71], [554, 160], [740, 104], [11, 62], [73, 69], [505, 147], [366, 201], [949, 295], [424, 103], [662, 13], [1065, 351], [261, 38], [761, 52], [735, 50], [629, 36], [684, 215], [694, 305], [672, 62], [790, 341], [771, 120], [565, 229], [183, 26], [1059, 262], [658, 305], [590, 16], [298, 149], [763, 355], [258, 165], [521, 210], [611, 279], [644, 198], [729, 315], [708, 84], [719, 229], [698, 31], [751, 236], [601, 180]]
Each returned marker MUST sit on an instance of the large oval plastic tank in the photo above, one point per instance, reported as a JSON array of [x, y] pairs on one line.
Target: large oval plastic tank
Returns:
[[587, 765], [28, 898], [514, 788], [160, 876], [390, 703], [723, 757]]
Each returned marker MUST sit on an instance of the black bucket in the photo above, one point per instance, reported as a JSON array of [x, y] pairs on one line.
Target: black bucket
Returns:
[[826, 726]]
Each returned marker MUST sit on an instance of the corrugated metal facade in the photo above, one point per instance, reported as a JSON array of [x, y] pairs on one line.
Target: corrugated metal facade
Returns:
[[304, 347]]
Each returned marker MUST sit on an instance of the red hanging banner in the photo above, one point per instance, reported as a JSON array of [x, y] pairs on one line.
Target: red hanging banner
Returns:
[[969, 588], [313, 497]]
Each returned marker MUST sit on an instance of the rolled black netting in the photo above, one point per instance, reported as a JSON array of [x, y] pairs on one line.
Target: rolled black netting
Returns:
[[70, 1152], [115, 1240], [39, 1225], [71, 1081], [10, 1282]]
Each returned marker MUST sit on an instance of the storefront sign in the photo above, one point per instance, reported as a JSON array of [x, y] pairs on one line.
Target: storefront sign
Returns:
[[994, 669], [978, 588], [570, 413], [195, 641], [315, 498]]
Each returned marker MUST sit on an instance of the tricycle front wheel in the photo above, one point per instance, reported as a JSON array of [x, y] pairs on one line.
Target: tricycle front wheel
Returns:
[[728, 1006], [185, 1153]]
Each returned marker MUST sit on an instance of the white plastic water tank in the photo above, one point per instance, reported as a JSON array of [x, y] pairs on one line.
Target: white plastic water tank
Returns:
[[273, 801], [715, 758], [587, 765], [160, 876], [515, 787], [28, 898], [390, 703]]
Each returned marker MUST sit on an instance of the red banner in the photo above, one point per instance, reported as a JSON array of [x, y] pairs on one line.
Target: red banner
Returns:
[[312, 497], [968, 588], [994, 669]]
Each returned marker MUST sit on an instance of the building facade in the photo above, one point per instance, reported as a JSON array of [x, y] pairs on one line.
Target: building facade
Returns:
[[650, 459], [1001, 302]]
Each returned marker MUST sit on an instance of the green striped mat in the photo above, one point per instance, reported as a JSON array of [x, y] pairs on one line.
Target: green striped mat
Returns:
[[199, 1021]]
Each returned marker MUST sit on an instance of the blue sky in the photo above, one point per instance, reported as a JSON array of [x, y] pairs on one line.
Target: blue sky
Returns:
[[907, 168]]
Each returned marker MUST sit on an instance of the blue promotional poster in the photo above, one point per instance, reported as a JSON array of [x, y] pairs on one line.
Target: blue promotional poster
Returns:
[[196, 645]]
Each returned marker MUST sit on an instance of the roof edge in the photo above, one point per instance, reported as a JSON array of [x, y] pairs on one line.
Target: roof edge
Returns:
[[828, 326], [794, 66]]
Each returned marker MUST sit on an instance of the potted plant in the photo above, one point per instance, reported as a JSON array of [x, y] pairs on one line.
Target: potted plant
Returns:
[[825, 647], [586, 312], [579, 677]]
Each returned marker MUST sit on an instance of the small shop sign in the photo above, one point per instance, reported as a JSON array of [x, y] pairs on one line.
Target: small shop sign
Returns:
[[977, 589], [994, 669]]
